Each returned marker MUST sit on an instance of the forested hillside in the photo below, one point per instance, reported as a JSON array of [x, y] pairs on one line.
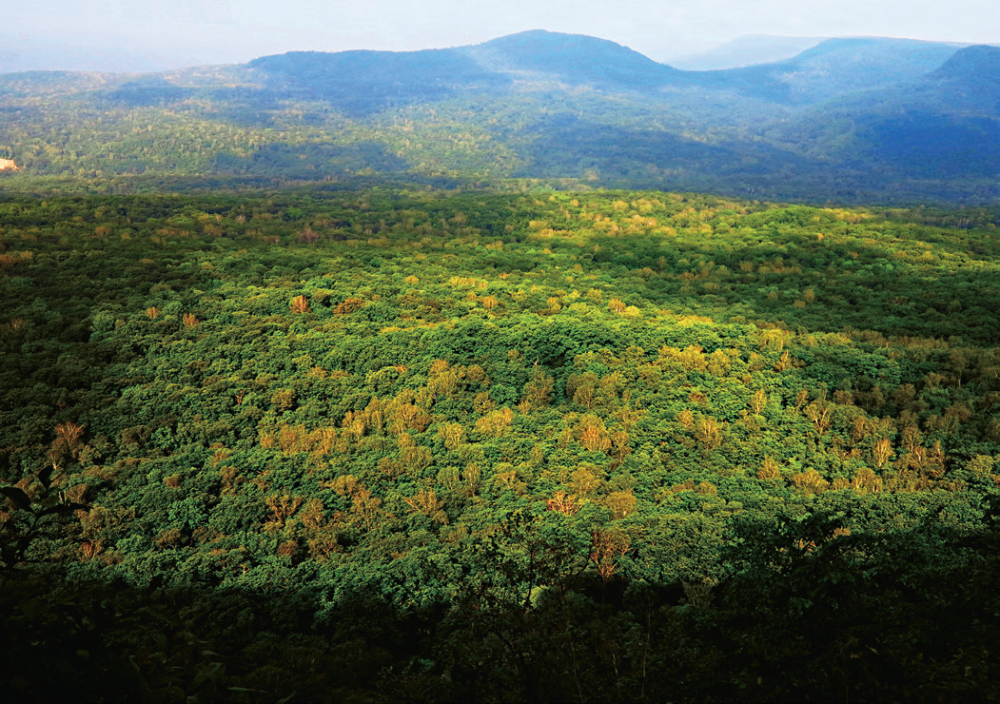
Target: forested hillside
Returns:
[[850, 121], [388, 444]]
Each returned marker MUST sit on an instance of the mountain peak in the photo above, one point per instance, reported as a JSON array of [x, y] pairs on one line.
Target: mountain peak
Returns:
[[572, 58], [533, 38], [979, 63]]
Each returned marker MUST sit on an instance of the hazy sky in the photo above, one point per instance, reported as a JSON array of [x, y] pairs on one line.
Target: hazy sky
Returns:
[[188, 32]]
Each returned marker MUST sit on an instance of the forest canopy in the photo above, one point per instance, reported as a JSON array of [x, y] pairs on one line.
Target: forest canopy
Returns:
[[405, 443]]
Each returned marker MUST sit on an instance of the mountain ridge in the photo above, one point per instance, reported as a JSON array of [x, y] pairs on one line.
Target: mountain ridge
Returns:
[[980, 61]]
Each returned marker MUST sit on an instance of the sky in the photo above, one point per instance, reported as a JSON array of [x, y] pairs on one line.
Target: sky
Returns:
[[161, 34]]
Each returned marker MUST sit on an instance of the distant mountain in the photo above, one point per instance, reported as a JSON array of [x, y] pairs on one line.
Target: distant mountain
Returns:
[[944, 124], [838, 66], [750, 50], [847, 119], [572, 58], [362, 82], [975, 66]]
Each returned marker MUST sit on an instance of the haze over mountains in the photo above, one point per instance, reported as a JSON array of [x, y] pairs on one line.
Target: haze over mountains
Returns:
[[745, 51], [847, 119]]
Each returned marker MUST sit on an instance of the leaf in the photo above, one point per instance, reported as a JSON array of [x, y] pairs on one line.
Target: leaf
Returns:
[[161, 640], [46, 474], [212, 673], [17, 496]]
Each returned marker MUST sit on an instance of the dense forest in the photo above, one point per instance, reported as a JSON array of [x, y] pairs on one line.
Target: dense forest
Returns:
[[401, 443]]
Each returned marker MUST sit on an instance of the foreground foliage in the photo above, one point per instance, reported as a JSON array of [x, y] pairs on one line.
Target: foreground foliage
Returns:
[[541, 447]]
